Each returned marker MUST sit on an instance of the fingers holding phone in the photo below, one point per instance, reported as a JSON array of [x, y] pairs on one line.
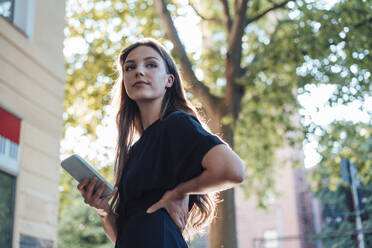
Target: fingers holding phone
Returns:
[[94, 197]]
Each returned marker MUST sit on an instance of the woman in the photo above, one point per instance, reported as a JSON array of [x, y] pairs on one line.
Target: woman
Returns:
[[164, 182]]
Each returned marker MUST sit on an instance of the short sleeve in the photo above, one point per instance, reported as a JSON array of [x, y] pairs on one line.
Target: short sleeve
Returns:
[[187, 143]]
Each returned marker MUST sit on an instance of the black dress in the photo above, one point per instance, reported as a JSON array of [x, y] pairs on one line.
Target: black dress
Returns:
[[169, 152]]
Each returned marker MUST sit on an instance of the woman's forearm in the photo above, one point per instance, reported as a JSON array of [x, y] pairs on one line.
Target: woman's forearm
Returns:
[[109, 225], [207, 182]]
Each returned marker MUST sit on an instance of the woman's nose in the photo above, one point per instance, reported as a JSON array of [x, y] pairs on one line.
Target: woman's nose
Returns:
[[139, 71]]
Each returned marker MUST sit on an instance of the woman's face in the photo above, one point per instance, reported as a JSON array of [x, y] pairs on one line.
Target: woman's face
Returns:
[[145, 75]]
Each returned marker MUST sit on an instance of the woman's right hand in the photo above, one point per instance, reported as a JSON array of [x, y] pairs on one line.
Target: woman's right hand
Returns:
[[93, 199]]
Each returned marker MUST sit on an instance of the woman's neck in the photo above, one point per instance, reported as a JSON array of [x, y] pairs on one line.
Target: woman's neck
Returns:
[[150, 112]]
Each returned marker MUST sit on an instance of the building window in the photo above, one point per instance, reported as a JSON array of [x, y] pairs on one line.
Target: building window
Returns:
[[271, 239], [6, 9], [10, 127], [20, 13], [7, 195]]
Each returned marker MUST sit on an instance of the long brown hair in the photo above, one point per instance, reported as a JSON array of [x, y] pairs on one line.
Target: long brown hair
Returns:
[[128, 121]]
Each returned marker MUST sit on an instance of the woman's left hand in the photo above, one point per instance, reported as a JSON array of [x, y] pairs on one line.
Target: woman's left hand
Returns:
[[177, 206]]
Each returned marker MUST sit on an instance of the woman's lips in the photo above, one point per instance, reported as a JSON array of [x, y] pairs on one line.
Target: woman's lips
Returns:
[[139, 83]]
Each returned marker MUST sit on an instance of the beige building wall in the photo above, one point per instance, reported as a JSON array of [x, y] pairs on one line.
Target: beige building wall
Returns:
[[32, 78], [282, 215]]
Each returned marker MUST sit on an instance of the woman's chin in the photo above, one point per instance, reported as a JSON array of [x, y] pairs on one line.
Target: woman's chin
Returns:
[[143, 98]]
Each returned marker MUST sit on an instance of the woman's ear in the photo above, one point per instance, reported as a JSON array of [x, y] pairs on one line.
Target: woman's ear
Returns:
[[170, 81]]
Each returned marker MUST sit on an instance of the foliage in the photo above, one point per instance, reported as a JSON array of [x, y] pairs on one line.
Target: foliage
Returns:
[[336, 46], [354, 142], [343, 140], [81, 227], [339, 226], [337, 52], [103, 28]]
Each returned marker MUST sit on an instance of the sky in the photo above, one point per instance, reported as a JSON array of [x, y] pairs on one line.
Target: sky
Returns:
[[313, 103]]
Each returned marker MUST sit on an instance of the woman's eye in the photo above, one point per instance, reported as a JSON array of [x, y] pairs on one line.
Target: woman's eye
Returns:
[[151, 65], [129, 67]]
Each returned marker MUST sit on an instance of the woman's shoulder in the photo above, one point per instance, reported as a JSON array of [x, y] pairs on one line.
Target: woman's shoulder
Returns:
[[177, 114], [178, 117]]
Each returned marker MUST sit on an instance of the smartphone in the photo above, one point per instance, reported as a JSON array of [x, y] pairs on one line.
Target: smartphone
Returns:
[[79, 169]]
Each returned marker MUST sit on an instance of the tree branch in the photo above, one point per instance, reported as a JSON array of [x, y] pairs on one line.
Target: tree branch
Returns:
[[236, 3], [212, 19], [197, 88], [275, 6], [226, 10], [233, 91], [238, 22]]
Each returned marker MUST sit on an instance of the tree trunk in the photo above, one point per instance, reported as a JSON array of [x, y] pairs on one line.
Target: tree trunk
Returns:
[[222, 231], [223, 228]]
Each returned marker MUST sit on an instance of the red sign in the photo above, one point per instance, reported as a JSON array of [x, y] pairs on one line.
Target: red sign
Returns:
[[10, 126]]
